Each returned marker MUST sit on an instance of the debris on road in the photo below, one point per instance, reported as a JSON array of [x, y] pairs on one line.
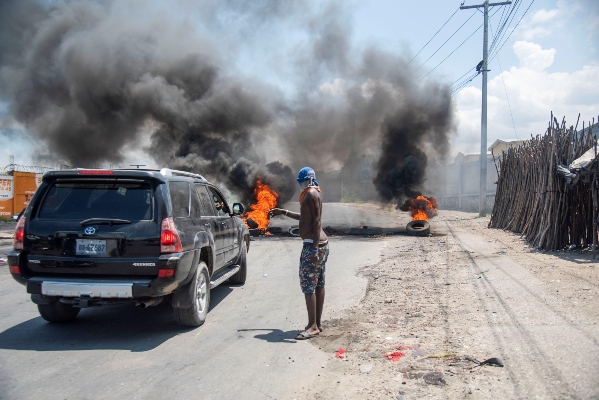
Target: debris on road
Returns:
[[340, 353], [394, 356], [493, 361], [439, 355], [365, 368], [434, 378]]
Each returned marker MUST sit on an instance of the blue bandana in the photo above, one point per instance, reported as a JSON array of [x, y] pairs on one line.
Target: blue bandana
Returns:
[[305, 174]]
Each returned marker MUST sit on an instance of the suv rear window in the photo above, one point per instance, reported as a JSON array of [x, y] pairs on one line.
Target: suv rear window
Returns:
[[82, 200]]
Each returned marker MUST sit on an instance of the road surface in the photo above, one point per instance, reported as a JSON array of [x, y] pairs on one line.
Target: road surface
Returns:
[[245, 350]]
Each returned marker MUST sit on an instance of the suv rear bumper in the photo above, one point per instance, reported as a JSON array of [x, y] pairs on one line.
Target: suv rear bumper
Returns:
[[102, 287]]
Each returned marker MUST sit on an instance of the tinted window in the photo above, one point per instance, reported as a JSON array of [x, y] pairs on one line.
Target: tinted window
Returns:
[[206, 207], [219, 202], [180, 196], [78, 200]]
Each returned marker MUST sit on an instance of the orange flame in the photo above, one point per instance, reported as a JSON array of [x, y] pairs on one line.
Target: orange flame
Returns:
[[423, 208], [266, 198]]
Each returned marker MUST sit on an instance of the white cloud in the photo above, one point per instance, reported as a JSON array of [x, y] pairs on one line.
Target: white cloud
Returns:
[[533, 95], [535, 32], [335, 87], [541, 23], [543, 16], [532, 56]]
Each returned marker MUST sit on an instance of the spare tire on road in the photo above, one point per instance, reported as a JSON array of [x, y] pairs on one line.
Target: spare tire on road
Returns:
[[418, 228]]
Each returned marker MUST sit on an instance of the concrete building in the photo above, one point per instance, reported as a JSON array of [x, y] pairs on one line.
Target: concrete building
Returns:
[[501, 145]]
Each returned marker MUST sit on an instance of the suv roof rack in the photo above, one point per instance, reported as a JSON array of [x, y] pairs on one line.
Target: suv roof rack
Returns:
[[174, 172]]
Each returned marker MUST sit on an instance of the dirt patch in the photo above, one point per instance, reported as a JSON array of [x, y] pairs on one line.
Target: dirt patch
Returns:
[[433, 312]]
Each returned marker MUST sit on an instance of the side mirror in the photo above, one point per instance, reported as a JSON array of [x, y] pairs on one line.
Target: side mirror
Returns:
[[238, 209]]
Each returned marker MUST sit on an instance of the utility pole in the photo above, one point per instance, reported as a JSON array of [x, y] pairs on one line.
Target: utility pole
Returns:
[[482, 205]]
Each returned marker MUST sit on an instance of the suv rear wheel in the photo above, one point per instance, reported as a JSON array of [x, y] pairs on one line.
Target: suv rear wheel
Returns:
[[196, 314], [57, 312]]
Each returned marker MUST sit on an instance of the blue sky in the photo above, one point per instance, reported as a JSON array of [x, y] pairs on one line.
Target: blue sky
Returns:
[[550, 62]]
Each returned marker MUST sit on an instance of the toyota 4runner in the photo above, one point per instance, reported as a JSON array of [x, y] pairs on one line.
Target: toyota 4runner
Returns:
[[91, 237]]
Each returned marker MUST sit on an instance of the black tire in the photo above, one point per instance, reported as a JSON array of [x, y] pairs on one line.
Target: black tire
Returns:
[[240, 276], [196, 314], [58, 312], [418, 228]]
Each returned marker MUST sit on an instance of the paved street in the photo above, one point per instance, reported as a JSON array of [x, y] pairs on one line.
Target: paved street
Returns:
[[244, 351]]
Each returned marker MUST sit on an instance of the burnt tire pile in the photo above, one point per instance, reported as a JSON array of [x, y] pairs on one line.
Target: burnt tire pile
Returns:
[[418, 228]]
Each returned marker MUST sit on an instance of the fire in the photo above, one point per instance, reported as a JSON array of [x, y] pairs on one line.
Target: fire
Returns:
[[423, 208], [266, 198]]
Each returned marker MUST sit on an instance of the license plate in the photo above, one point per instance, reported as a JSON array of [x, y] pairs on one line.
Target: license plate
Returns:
[[87, 247]]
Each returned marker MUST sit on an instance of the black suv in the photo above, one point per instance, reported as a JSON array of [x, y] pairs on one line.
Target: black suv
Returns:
[[91, 237]]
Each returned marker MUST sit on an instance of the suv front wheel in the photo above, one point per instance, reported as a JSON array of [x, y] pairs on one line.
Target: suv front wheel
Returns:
[[196, 314]]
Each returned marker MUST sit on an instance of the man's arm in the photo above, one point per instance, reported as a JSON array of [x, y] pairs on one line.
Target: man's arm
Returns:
[[279, 211]]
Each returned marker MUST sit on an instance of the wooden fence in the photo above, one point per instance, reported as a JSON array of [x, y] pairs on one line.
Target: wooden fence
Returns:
[[531, 198]]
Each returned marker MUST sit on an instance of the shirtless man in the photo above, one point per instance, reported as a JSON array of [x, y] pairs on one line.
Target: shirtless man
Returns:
[[315, 251]]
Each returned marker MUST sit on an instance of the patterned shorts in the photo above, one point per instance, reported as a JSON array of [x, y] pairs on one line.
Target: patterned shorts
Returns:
[[313, 275]]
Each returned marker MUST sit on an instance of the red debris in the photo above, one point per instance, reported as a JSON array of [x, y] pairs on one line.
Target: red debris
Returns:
[[340, 353], [394, 356]]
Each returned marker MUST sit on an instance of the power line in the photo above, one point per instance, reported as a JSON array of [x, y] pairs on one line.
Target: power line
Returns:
[[464, 83], [472, 34], [505, 41], [508, 20], [470, 70], [456, 49], [507, 97], [446, 41], [508, 23], [433, 36]]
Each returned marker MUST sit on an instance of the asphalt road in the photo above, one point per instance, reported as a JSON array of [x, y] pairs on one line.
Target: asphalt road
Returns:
[[245, 350]]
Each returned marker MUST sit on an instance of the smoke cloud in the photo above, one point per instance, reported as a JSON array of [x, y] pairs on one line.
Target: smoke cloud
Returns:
[[93, 79]]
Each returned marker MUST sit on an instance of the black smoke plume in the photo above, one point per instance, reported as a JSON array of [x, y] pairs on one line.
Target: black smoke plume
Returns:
[[90, 84], [98, 80], [424, 121]]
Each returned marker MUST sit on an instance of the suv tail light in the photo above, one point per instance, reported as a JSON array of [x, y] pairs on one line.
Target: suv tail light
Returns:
[[169, 238], [19, 239]]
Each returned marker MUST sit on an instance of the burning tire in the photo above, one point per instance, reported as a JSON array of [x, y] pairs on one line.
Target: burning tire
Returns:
[[418, 228]]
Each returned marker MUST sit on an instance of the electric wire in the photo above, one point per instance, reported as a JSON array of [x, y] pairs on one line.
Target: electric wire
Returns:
[[505, 16], [461, 44], [506, 23], [419, 51], [472, 34], [464, 83], [506, 95], [460, 78], [501, 36], [444, 43], [506, 39]]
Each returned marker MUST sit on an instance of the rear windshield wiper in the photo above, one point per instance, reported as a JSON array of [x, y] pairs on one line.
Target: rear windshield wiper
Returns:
[[104, 221]]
